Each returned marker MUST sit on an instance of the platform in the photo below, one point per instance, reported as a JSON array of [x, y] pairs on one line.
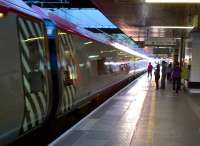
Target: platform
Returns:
[[138, 115]]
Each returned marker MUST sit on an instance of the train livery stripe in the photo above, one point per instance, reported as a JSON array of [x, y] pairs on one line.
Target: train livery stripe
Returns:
[[25, 126], [43, 102], [31, 112], [35, 102], [23, 27], [67, 97], [64, 103], [24, 46]]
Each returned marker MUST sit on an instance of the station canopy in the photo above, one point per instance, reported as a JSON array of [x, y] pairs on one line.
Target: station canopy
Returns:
[[87, 17], [84, 14]]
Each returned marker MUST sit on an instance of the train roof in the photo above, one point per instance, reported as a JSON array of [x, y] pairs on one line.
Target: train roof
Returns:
[[71, 27], [17, 6], [68, 26]]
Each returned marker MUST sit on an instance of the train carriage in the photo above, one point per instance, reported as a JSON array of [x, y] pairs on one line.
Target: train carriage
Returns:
[[24, 74], [88, 62], [50, 67]]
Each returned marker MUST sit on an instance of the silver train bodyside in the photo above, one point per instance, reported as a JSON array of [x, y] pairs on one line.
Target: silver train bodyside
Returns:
[[46, 76]]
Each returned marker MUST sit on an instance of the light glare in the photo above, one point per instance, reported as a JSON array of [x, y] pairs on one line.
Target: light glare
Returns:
[[172, 1], [1, 15], [172, 27], [128, 50]]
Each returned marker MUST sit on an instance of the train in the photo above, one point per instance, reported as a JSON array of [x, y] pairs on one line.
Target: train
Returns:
[[50, 66]]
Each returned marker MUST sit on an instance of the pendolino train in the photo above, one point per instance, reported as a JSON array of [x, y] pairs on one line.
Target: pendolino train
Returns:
[[50, 67]]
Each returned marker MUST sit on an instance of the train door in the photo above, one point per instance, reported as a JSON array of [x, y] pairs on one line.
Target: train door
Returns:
[[34, 62], [68, 71]]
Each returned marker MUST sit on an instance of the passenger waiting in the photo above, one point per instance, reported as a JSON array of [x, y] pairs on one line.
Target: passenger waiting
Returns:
[[149, 70], [176, 75], [184, 75], [163, 78], [169, 72], [157, 76]]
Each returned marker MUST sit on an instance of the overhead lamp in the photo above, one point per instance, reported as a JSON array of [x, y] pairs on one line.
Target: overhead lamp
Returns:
[[62, 33], [86, 43], [172, 27], [93, 56], [172, 1], [1, 15]]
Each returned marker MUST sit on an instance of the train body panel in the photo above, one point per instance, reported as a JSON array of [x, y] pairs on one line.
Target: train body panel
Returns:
[[24, 75], [11, 88], [87, 66]]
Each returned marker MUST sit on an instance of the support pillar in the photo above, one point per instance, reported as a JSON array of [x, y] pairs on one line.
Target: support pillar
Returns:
[[194, 80]]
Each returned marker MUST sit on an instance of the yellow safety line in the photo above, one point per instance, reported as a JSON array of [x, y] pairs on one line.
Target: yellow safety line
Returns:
[[151, 122]]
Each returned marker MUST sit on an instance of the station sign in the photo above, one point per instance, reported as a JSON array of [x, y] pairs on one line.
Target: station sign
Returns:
[[162, 51], [160, 41]]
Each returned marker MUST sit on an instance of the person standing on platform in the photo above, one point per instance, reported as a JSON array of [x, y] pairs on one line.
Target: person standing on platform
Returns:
[[149, 70], [169, 72], [163, 78], [184, 75], [157, 76], [176, 75]]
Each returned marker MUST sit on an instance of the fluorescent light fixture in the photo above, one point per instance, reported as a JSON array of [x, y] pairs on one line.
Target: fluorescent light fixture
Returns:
[[1, 15], [93, 56], [115, 63], [110, 51], [128, 50], [33, 39], [62, 33], [81, 65], [172, 1], [67, 52], [172, 27], [86, 43]]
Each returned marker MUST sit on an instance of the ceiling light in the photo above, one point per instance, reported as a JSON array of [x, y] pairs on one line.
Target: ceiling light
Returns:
[[172, 27], [86, 43], [172, 1], [62, 33], [93, 56], [1, 15]]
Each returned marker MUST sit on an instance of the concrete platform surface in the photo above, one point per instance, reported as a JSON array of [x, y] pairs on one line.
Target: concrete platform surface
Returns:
[[139, 115]]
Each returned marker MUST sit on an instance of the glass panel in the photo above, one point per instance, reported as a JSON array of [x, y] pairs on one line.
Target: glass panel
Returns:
[[32, 49], [68, 70]]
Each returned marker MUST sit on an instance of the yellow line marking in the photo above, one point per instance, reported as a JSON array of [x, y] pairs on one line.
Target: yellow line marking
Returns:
[[151, 122]]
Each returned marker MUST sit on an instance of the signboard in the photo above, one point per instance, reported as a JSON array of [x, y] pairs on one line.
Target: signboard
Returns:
[[162, 50], [158, 41]]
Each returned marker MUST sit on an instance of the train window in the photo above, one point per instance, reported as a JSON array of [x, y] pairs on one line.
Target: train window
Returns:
[[34, 72], [35, 76]]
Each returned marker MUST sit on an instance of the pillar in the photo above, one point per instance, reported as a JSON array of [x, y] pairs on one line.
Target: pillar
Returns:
[[194, 80]]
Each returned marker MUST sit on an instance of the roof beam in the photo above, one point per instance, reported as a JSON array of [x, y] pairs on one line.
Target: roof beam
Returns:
[[106, 30]]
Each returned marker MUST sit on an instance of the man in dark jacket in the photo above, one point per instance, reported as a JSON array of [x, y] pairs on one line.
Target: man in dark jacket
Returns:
[[163, 78], [176, 75]]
